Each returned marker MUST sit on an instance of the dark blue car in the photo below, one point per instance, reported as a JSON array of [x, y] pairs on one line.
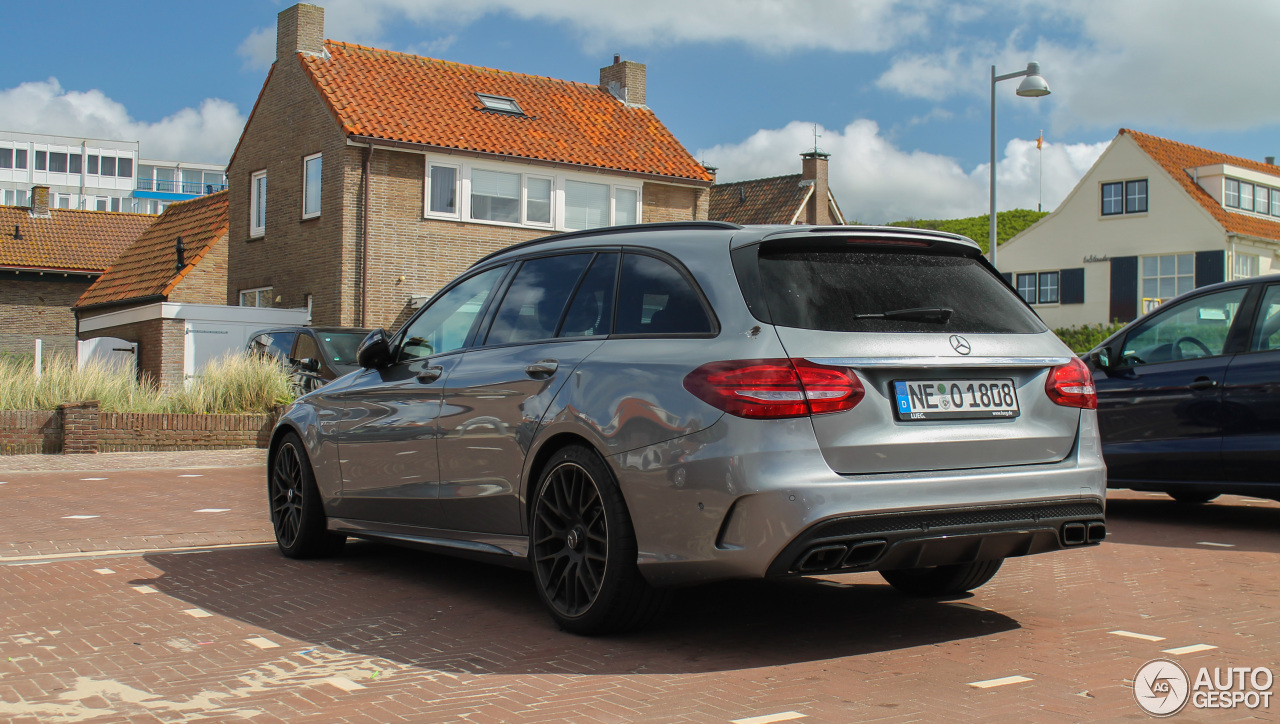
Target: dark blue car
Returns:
[[1189, 394]]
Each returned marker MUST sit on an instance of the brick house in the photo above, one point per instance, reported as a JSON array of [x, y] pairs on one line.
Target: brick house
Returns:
[[803, 198], [48, 258], [366, 179], [180, 258]]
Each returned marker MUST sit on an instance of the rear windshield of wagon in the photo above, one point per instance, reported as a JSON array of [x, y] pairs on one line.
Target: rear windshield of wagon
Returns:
[[835, 289]]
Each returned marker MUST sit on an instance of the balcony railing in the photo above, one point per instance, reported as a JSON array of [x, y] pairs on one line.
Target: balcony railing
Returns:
[[168, 186]]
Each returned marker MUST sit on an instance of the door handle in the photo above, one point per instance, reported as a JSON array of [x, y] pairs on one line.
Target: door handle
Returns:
[[1203, 383], [542, 370], [430, 374]]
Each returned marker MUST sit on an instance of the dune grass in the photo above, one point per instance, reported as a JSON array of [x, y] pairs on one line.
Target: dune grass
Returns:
[[236, 384]]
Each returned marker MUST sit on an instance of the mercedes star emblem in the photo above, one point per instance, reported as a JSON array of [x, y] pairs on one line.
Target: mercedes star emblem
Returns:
[[960, 344]]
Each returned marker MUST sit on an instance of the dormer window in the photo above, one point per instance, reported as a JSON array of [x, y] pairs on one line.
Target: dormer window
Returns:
[[500, 104], [1246, 196]]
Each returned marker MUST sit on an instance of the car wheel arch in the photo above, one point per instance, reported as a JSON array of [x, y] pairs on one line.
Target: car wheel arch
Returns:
[[545, 450]]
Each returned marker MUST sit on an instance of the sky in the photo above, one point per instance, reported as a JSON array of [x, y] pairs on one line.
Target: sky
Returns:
[[899, 90]]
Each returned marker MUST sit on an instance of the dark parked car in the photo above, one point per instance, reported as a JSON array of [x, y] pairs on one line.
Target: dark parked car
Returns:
[[1189, 394], [316, 355]]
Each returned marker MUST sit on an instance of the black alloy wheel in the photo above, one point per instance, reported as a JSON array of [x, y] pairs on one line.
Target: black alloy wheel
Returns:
[[570, 539], [297, 513]]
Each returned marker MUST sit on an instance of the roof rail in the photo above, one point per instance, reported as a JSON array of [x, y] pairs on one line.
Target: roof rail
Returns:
[[611, 230]]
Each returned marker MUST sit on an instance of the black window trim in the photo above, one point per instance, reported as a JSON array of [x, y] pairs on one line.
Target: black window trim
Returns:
[[480, 340], [1102, 198], [1058, 287], [682, 271], [1146, 196], [1035, 286]]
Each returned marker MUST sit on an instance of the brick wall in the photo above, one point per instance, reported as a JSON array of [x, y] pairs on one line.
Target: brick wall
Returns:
[[78, 428], [34, 306], [160, 347], [673, 203], [207, 282]]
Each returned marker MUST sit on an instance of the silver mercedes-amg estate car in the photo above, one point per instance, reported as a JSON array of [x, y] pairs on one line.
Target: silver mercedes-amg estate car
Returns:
[[629, 409]]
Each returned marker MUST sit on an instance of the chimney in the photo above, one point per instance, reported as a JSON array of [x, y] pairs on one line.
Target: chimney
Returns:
[[299, 29], [813, 169], [182, 254], [625, 80], [1271, 160], [40, 201]]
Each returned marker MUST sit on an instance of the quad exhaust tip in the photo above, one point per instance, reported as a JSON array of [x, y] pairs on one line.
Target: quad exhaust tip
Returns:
[[1097, 532], [841, 555], [1074, 534]]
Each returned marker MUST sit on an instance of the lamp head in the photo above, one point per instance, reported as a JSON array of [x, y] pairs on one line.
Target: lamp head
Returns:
[[1033, 86]]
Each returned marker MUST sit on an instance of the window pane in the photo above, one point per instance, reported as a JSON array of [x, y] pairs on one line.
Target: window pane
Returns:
[[73, 163], [93, 164], [259, 211], [591, 312], [6, 158], [654, 298], [1167, 265], [1135, 201], [1150, 266], [624, 206], [42, 160], [1112, 201], [101, 204], [495, 196], [1168, 287], [1262, 196], [1027, 288], [1185, 284], [249, 299], [115, 203], [538, 209], [1246, 196], [444, 183], [536, 298], [586, 206], [1150, 288], [211, 178], [1048, 287], [125, 168], [1174, 332], [108, 165], [445, 325], [1231, 193], [57, 162], [1275, 202], [20, 158], [1266, 335], [311, 197], [191, 182], [1186, 263]]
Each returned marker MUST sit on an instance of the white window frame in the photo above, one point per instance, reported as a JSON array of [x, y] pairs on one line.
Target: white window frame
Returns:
[[320, 197], [1175, 276], [257, 293], [255, 230], [462, 191], [1252, 265]]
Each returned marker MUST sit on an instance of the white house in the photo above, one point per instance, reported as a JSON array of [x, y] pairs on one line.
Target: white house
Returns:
[[1152, 218]]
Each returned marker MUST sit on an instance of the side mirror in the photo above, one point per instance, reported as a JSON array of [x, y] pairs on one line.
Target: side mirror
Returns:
[[374, 351], [1101, 358]]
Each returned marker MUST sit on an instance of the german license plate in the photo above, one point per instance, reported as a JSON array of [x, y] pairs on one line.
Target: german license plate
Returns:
[[954, 399]]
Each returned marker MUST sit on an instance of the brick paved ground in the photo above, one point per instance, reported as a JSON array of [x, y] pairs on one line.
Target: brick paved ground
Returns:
[[104, 621]]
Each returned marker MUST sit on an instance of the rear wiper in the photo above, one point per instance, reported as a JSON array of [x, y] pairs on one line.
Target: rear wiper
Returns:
[[917, 314]]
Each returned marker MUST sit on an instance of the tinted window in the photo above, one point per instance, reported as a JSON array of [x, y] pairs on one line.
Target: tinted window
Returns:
[[829, 289], [445, 325], [536, 298], [591, 312], [276, 344], [654, 298], [306, 348], [340, 347], [1266, 331], [1187, 330]]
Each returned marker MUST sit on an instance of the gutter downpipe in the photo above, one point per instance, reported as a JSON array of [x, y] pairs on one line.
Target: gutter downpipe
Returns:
[[364, 241]]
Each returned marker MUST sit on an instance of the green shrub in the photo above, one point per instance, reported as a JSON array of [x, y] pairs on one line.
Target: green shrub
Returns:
[[236, 383], [1008, 225], [1085, 337]]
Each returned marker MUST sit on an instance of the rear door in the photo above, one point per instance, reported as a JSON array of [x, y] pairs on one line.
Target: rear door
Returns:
[[1159, 407], [1251, 400], [953, 362]]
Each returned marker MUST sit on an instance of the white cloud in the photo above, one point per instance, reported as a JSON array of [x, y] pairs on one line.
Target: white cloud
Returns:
[[259, 48], [1122, 64], [208, 133], [875, 182]]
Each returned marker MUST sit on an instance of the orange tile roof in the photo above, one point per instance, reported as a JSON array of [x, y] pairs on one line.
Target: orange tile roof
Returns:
[[758, 201], [149, 266], [68, 240], [1176, 158], [407, 98]]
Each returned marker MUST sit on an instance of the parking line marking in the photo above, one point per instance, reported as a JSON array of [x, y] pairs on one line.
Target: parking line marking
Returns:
[[1193, 648], [342, 682], [770, 718], [191, 476], [1255, 500], [1216, 545], [78, 517], [83, 479], [1132, 635], [998, 682], [197, 613], [263, 643], [103, 571], [213, 510], [144, 589]]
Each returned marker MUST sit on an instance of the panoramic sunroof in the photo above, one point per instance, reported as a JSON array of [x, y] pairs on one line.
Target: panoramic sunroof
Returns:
[[501, 104]]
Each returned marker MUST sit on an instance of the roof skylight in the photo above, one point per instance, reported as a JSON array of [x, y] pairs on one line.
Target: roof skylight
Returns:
[[500, 104]]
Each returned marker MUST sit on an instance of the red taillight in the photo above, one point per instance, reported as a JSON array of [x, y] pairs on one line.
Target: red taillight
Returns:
[[775, 388], [1071, 385]]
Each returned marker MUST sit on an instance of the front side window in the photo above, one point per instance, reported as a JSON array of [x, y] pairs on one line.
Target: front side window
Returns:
[[536, 299], [1135, 196], [586, 205], [306, 348], [495, 196], [260, 297], [1189, 330], [258, 204], [442, 191], [1027, 288], [1112, 199], [311, 186], [445, 325], [1048, 293], [1266, 329], [655, 298]]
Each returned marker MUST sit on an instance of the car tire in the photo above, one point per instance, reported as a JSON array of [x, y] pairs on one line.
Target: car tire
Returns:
[[583, 548], [942, 580], [297, 512], [1192, 498]]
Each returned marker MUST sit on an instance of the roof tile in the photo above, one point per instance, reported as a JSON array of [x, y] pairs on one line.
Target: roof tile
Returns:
[[68, 240], [758, 201]]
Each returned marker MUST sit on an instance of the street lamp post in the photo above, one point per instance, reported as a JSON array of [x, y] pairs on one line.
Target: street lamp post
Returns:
[[1033, 86]]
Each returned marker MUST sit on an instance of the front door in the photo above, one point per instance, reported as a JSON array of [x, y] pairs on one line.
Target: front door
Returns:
[[1251, 401], [1159, 407], [387, 436]]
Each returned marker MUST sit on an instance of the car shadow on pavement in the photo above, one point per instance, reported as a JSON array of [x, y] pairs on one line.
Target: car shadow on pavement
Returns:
[[1161, 521], [457, 616]]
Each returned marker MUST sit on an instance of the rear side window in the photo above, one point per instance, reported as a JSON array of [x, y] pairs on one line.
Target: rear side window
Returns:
[[591, 312], [536, 298], [655, 298], [836, 289]]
